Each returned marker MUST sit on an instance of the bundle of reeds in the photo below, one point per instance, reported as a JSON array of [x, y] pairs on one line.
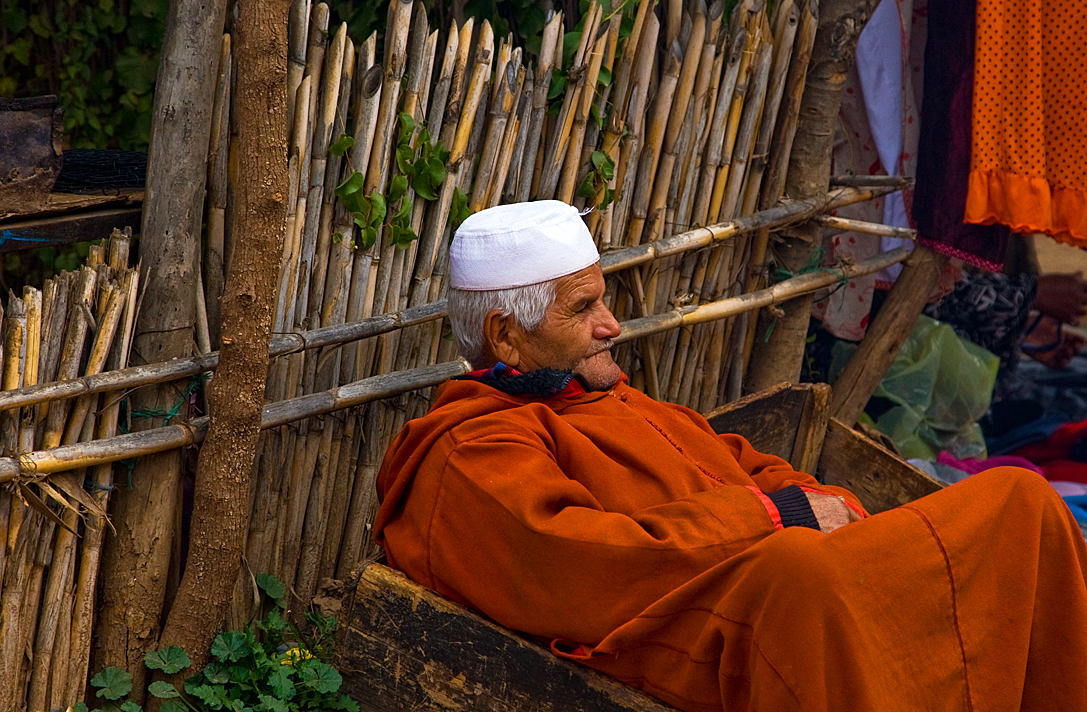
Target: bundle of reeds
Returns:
[[78, 325]]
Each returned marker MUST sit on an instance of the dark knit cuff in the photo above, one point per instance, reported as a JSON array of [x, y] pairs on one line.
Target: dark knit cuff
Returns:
[[794, 508]]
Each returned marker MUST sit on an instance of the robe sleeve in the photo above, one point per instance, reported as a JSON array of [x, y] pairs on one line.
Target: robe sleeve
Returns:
[[535, 551]]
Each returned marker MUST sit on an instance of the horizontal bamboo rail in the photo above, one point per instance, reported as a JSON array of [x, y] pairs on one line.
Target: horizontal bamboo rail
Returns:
[[786, 213], [869, 228], [782, 291], [37, 465]]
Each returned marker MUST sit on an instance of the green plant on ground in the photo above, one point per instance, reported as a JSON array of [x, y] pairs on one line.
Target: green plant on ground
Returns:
[[270, 667]]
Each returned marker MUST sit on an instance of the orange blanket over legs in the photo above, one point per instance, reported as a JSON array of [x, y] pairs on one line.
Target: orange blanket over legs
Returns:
[[1029, 162], [969, 599]]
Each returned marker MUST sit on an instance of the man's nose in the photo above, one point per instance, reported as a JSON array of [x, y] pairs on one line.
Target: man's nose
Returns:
[[606, 326]]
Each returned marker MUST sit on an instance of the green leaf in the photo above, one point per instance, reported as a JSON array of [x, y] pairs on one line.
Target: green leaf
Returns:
[[350, 192], [368, 236], [129, 706], [113, 683], [339, 148], [458, 210], [609, 195], [557, 86], [322, 677], [397, 187], [404, 214], [587, 189], [230, 647], [274, 621], [407, 125], [347, 704], [170, 659], [421, 185], [377, 215], [604, 78], [436, 171], [163, 690], [279, 680], [216, 673], [337, 238], [405, 155], [214, 696], [173, 706], [271, 704], [80, 707]]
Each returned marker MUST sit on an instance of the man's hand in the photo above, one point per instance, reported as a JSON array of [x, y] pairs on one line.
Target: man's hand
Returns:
[[831, 511]]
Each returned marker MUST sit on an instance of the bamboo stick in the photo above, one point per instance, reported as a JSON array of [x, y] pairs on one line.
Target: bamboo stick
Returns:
[[74, 335], [647, 162], [848, 225], [678, 115], [215, 241], [630, 150], [585, 93], [496, 129], [541, 84], [556, 150], [102, 479], [297, 33], [510, 137], [516, 165]]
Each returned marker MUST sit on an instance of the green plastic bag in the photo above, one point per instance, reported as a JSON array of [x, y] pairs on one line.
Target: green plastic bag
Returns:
[[941, 386]]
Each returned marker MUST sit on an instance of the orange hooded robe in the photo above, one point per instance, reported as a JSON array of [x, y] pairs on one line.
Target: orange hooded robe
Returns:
[[638, 541]]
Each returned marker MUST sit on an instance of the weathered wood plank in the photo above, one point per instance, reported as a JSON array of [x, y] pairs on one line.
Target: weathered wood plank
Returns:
[[402, 647], [19, 235], [811, 430], [877, 476], [768, 419]]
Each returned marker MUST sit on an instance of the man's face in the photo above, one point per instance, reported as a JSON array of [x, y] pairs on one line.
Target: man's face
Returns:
[[576, 334]]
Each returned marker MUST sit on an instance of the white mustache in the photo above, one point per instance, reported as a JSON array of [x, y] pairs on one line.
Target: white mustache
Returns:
[[604, 346]]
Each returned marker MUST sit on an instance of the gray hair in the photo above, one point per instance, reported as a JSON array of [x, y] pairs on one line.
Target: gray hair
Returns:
[[468, 308]]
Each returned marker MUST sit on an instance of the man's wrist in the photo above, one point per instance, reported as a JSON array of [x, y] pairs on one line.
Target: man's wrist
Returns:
[[794, 508]]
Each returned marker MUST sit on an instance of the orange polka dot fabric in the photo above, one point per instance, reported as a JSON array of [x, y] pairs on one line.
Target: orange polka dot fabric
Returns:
[[1029, 164]]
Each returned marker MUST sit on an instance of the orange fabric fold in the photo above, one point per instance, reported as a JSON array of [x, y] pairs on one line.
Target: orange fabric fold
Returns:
[[1028, 205]]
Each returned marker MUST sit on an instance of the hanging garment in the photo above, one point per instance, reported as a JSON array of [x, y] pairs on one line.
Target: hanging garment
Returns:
[[943, 152], [879, 128], [1029, 165]]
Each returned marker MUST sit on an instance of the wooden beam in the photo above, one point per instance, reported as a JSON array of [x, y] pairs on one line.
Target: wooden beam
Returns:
[[886, 334], [879, 478], [402, 647], [21, 235]]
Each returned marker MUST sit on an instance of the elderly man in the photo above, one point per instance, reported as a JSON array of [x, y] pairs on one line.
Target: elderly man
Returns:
[[548, 494]]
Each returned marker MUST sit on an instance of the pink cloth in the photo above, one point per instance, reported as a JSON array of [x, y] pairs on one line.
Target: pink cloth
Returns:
[[972, 465]]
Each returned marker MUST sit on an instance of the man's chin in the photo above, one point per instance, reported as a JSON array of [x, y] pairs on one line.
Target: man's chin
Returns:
[[600, 371]]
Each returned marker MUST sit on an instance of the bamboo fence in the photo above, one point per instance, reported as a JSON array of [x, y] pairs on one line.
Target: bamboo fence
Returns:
[[673, 127]]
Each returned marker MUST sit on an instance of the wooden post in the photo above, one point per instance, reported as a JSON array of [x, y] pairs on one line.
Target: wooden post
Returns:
[[778, 358], [136, 561], [886, 334]]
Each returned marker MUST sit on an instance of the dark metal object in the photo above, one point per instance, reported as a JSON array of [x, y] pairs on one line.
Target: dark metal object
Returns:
[[30, 152]]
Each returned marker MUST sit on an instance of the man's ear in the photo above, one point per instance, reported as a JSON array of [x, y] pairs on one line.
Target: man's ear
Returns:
[[502, 335]]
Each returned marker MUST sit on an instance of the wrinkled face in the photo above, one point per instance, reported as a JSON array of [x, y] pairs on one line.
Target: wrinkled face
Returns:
[[576, 334]]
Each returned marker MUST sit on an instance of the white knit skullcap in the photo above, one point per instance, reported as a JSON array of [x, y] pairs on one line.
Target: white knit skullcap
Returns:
[[519, 244]]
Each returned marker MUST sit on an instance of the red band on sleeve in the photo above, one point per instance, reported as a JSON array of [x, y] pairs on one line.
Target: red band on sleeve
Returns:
[[771, 508]]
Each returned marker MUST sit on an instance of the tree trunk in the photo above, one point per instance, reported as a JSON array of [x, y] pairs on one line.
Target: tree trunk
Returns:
[[236, 395], [136, 561], [777, 359]]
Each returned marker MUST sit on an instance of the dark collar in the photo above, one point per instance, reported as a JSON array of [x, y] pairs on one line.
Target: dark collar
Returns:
[[542, 383]]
